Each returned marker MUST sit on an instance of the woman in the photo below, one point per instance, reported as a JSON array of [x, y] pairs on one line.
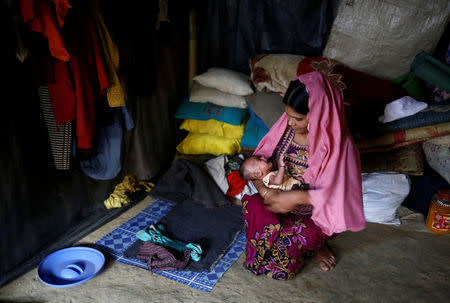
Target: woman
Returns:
[[312, 136]]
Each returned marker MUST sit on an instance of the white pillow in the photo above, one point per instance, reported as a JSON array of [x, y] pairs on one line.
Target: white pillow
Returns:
[[203, 94], [226, 80]]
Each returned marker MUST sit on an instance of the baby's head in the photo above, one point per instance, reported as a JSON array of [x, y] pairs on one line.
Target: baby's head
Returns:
[[255, 168]]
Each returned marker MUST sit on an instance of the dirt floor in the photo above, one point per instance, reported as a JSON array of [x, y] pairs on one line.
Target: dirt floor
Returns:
[[380, 264]]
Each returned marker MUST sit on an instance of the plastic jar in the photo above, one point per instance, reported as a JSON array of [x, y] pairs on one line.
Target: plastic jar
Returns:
[[438, 218]]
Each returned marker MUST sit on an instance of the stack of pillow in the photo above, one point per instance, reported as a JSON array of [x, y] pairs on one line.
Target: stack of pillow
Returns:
[[215, 113]]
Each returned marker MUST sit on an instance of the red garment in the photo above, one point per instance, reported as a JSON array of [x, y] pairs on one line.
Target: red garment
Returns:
[[78, 83], [62, 92], [41, 19], [236, 184]]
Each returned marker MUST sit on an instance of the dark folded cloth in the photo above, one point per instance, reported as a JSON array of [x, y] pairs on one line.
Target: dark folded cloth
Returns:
[[188, 180], [160, 258], [215, 229]]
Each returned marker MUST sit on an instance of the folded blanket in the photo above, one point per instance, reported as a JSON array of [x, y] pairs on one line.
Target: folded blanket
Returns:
[[434, 114], [431, 70], [189, 180], [215, 229], [402, 138]]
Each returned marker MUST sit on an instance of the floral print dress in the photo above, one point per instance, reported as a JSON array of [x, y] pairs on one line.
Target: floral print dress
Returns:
[[277, 244]]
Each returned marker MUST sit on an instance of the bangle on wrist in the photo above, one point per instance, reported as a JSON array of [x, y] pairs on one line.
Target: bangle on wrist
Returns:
[[265, 193]]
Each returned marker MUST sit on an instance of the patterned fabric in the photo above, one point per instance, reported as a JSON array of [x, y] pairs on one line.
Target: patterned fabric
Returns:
[[287, 184], [157, 257], [277, 244], [295, 155], [403, 138], [405, 160], [60, 136]]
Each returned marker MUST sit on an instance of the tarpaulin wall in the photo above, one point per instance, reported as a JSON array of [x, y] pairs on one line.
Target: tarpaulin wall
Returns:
[[232, 31]]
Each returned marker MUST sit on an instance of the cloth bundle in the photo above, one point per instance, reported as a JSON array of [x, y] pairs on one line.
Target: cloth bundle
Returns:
[[159, 258], [123, 191]]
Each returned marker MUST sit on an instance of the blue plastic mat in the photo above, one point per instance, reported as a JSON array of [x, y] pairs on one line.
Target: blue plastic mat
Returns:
[[117, 242]]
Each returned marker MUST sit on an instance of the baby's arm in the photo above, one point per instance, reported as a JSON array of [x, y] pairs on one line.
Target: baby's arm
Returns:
[[278, 178]]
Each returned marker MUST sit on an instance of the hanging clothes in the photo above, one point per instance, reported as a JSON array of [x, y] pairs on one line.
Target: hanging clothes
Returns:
[[115, 93], [60, 136], [40, 18], [107, 161], [76, 85]]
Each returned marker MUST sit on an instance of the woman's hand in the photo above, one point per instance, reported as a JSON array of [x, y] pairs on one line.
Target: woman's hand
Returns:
[[279, 201], [276, 205]]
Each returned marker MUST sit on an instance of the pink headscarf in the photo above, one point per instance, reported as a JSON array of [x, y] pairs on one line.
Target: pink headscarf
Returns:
[[334, 169]]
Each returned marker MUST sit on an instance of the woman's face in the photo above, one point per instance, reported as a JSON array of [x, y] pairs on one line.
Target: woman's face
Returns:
[[298, 122]]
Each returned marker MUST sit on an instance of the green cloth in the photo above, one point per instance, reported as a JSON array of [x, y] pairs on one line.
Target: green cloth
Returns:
[[431, 70], [413, 86]]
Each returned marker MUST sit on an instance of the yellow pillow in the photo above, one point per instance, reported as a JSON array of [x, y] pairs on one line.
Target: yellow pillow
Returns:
[[214, 128], [197, 144]]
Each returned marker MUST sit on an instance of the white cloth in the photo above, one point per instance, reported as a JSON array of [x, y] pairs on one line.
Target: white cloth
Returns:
[[401, 108], [216, 168]]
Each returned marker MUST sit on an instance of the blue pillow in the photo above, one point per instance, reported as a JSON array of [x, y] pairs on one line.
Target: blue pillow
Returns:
[[257, 120], [206, 111], [253, 132]]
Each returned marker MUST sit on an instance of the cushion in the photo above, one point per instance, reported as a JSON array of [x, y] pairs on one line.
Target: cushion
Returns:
[[196, 144], [406, 160], [254, 132], [213, 127], [267, 106], [437, 152], [226, 80], [200, 93], [206, 111], [273, 72]]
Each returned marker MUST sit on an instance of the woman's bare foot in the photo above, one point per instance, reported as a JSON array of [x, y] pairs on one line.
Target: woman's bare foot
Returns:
[[325, 258]]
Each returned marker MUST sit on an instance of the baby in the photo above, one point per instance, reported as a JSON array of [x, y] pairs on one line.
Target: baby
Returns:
[[257, 168]]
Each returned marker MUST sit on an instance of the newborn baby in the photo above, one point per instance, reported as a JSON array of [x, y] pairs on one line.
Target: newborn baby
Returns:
[[257, 168]]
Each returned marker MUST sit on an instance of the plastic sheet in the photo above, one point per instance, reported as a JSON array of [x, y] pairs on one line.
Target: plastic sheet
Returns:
[[383, 37], [383, 193]]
